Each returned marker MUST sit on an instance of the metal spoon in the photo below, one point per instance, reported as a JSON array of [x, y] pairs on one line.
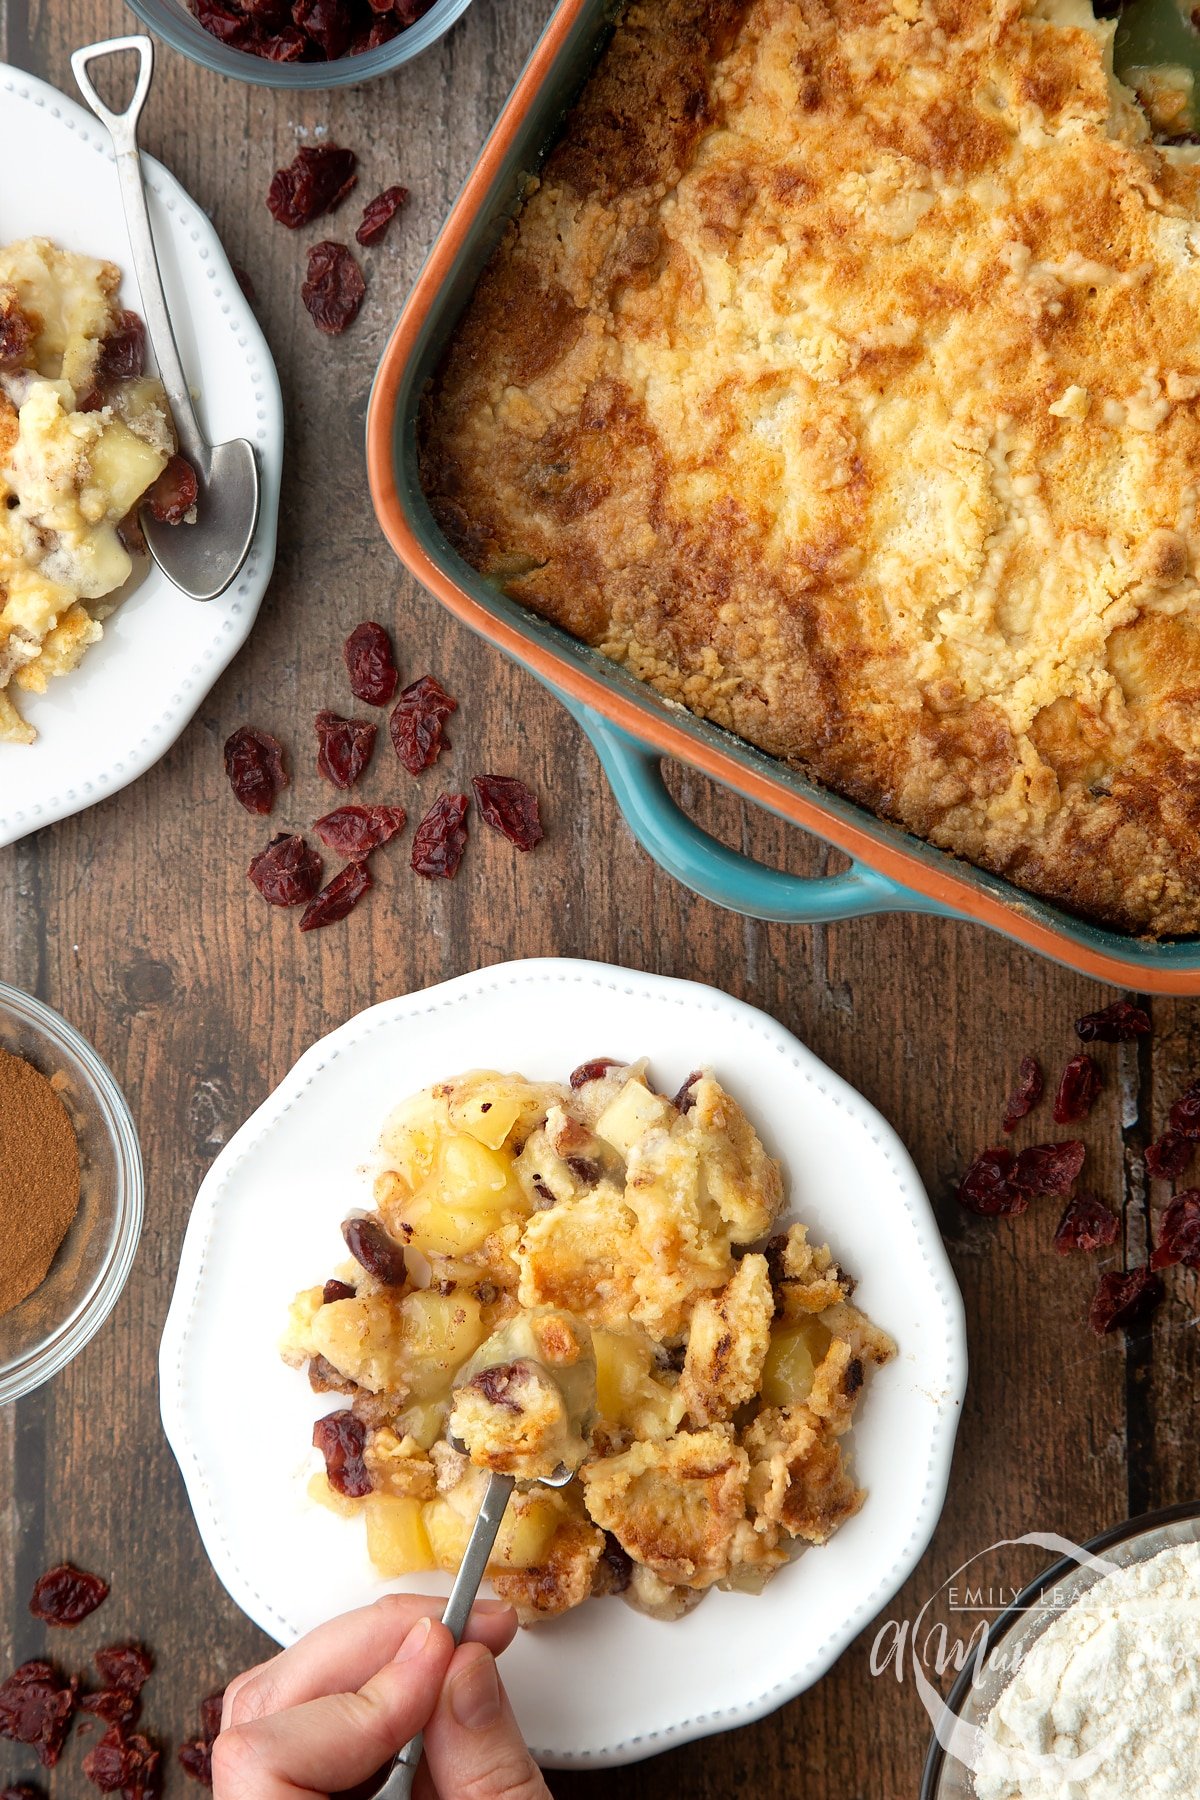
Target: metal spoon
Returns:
[[400, 1775], [205, 558]]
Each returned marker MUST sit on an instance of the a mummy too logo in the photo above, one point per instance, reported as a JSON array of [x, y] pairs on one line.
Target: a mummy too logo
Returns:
[[954, 1635]]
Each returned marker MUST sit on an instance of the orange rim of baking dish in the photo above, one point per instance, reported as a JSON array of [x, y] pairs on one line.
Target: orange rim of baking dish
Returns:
[[956, 893]]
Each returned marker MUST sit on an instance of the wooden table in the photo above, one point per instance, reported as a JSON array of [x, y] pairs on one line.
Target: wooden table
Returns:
[[136, 921]]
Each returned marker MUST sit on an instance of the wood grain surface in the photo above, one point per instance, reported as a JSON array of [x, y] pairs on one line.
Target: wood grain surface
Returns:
[[136, 921]]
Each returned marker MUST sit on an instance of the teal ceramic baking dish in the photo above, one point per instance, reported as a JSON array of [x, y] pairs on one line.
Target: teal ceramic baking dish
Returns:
[[631, 727]]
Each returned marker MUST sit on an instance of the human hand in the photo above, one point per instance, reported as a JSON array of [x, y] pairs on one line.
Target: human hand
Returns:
[[327, 1713]]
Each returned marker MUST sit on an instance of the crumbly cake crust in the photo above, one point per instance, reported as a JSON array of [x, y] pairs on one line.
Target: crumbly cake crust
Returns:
[[839, 378]]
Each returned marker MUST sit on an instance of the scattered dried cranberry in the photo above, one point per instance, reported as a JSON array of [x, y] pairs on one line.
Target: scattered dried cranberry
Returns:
[[1087, 1224], [210, 1715], [173, 495], [111, 1705], [344, 747], [357, 830], [371, 664], [36, 1705], [124, 1762], [985, 1188], [685, 1099], [333, 290], [125, 1666], [336, 1290], [287, 872], [370, 1246], [1048, 1168], [1121, 1301], [441, 838], [1184, 1116], [122, 355], [66, 1595], [242, 277], [378, 215], [1179, 1233], [316, 181], [417, 721], [1078, 1089], [337, 898], [1116, 1024], [1026, 1094], [593, 1071], [254, 765], [340, 1438], [510, 808], [195, 1759], [1170, 1155]]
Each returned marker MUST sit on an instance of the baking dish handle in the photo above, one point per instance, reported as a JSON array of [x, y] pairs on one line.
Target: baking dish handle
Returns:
[[708, 867]]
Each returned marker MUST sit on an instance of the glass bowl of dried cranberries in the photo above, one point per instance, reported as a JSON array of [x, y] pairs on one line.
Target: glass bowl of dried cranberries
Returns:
[[71, 1193], [300, 43]]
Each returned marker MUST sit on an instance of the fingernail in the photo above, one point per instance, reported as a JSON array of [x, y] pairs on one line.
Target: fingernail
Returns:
[[415, 1642], [491, 1606], [475, 1694]]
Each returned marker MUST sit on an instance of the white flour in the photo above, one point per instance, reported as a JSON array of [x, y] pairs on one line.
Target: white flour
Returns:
[[1106, 1705]]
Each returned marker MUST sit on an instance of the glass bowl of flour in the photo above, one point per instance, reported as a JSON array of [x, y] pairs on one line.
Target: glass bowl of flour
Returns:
[[1088, 1687]]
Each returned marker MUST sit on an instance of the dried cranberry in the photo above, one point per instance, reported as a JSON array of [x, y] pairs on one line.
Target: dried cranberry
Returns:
[[1185, 1114], [1115, 1024], [226, 26], [122, 355], [441, 838], [36, 1705], [685, 1099], [195, 1759], [17, 333], [66, 1595], [985, 1188], [333, 290], [1170, 1155], [326, 23], [131, 534], [210, 1715], [370, 1246], [336, 1290], [595, 1070], [1179, 1233], [584, 1169], [340, 1438], [125, 1666], [124, 1762], [510, 808], [379, 213], [173, 495], [316, 181], [371, 664], [242, 277], [1087, 1224], [1078, 1089], [1121, 1301], [417, 721], [287, 872], [344, 747], [111, 1705], [1026, 1094], [337, 898], [355, 831], [254, 765], [1048, 1168], [286, 46]]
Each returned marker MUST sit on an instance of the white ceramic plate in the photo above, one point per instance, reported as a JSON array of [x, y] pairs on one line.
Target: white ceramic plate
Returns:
[[603, 1685], [111, 719]]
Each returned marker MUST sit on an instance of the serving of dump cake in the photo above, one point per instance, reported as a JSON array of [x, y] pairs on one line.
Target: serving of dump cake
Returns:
[[840, 377], [563, 1275], [83, 434]]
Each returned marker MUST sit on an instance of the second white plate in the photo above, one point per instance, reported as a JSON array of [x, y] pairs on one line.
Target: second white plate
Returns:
[[112, 718], [603, 1685]]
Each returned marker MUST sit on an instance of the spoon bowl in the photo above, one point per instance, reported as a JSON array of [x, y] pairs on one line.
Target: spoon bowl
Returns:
[[203, 559]]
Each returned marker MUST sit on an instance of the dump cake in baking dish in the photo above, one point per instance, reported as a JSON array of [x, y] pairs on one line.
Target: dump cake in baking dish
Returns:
[[84, 433], [565, 1276], [839, 376]]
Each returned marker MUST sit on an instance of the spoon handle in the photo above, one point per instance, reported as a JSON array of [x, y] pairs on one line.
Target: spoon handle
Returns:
[[399, 1783], [122, 128]]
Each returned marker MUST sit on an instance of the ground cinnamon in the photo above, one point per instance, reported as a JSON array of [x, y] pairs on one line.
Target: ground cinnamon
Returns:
[[39, 1178]]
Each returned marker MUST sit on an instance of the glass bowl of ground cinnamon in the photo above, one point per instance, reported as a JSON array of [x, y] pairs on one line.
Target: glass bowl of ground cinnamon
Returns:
[[70, 1192]]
